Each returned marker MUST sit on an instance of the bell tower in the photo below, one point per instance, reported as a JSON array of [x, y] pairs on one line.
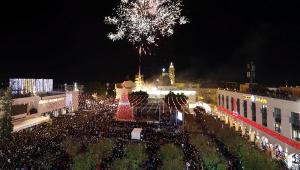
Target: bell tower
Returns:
[[172, 73], [139, 80]]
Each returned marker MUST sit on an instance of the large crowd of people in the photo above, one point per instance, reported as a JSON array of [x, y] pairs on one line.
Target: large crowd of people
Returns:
[[41, 146]]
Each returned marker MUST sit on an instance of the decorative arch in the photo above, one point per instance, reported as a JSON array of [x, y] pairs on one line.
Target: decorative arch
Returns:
[[33, 111]]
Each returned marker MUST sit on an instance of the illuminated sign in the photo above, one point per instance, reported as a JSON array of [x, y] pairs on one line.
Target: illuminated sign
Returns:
[[256, 99]]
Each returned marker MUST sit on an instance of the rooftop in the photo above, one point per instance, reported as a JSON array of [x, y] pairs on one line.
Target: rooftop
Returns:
[[284, 93]]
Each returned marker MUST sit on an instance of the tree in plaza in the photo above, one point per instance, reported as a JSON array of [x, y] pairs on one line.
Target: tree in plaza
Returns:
[[134, 158], [96, 152], [6, 126], [71, 146], [84, 162], [121, 164], [211, 157], [172, 157], [250, 157], [102, 149]]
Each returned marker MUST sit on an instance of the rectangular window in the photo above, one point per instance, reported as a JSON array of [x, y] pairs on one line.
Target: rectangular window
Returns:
[[253, 108], [227, 102], [223, 101], [277, 115], [232, 104], [296, 133], [295, 126], [238, 106], [219, 100], [245, 108], [264, 115], [295, 119], [277, 127]]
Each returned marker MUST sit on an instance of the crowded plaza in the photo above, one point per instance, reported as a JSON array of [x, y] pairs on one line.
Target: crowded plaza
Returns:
[[95, 138], [51, 145]]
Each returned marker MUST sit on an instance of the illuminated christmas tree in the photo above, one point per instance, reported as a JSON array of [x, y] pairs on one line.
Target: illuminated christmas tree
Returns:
[[124, 112]]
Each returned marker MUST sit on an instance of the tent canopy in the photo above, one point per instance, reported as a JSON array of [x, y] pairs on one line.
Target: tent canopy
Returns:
[[136, 133]]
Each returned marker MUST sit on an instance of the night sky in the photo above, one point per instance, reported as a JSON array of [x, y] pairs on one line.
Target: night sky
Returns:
[[67, 41]]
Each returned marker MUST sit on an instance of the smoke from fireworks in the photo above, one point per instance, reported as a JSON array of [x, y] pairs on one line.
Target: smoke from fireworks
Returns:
[[143, 22]]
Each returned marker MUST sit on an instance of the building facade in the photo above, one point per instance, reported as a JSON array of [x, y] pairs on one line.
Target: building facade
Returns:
[[51, 104], [272, 123]]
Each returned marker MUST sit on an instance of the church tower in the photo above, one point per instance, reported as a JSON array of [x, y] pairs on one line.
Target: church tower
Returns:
[[172, 73], [139, 80]]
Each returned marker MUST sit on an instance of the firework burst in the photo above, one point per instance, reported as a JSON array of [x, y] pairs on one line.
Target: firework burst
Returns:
[[143, 22]]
